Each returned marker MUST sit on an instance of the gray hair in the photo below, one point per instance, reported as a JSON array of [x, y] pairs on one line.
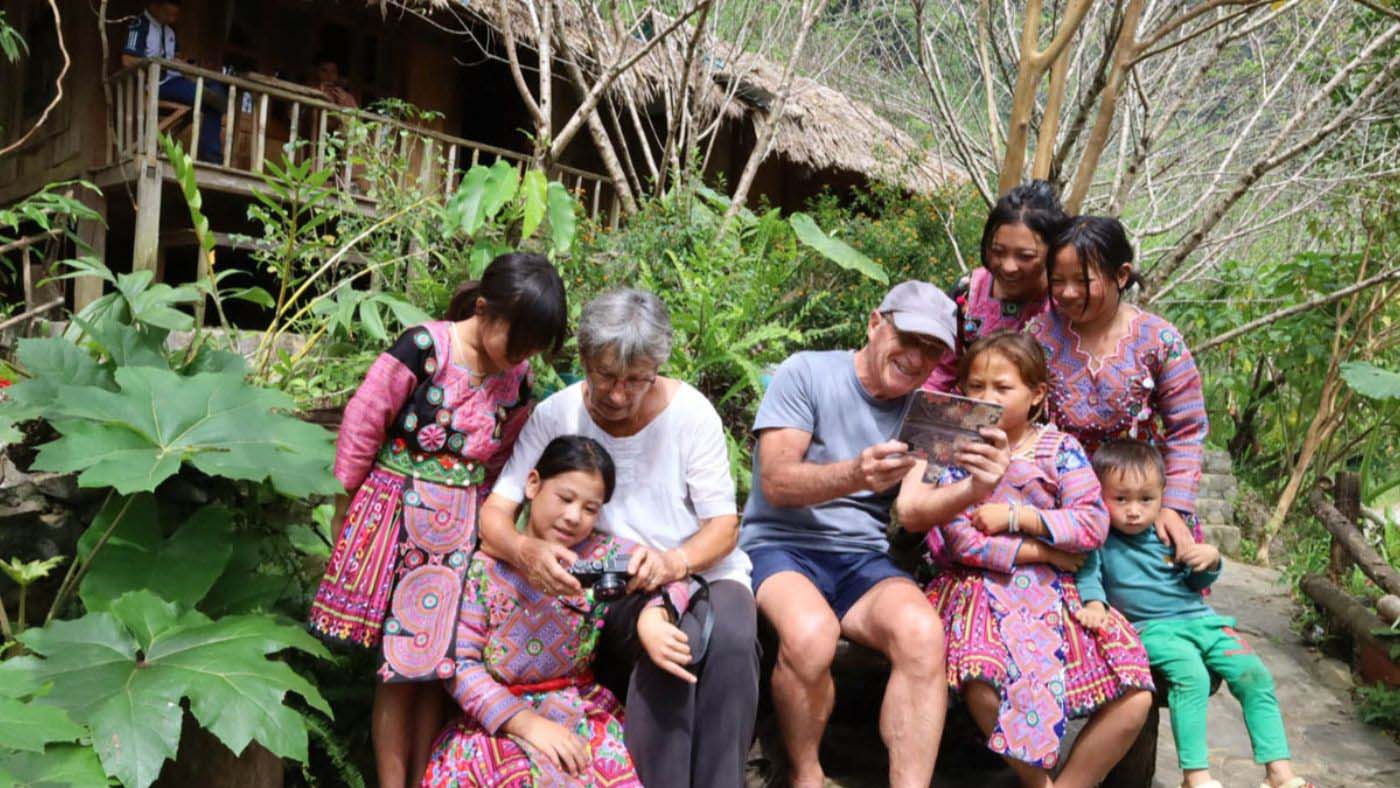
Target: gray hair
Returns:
[[627, 324]]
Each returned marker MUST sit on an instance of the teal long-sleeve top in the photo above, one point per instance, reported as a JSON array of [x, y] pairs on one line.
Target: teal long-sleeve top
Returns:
[[1138, 575]]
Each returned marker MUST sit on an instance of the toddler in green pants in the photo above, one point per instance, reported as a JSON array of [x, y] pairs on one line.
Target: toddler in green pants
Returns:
[[1185, 640]]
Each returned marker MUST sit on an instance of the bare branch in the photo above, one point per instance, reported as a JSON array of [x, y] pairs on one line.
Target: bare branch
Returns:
[[57, 83]]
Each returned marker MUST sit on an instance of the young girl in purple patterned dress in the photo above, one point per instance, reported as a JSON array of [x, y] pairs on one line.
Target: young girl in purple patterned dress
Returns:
[[1009, 288], [1117, 371], [1005, 588], [532, 712], [420, 445]]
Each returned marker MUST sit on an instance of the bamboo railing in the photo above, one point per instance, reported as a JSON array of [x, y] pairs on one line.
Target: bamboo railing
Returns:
[[439, 158]]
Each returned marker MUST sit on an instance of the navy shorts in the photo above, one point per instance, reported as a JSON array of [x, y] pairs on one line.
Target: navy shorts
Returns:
[[842, 578]]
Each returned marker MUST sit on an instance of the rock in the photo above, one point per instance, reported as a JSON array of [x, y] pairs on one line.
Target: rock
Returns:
[[64, 487], [10, 476], [1225, 537]]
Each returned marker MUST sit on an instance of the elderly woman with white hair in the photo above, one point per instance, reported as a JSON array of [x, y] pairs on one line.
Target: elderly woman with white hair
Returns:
[[695, 702]]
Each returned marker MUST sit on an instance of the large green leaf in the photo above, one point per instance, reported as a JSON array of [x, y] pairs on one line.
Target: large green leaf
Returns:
[[464, 209], [29, 726], [136, 438], [535, 190], [124, 672], [57, 765], [59, 361], [137, 556], [834, 249], [562, 222], [1371, 381], [502, 182], [124, 345]]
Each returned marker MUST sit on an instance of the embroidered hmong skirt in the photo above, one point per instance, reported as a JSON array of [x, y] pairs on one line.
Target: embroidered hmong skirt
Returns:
[[395, 576], [466, 755], [1017, 632]]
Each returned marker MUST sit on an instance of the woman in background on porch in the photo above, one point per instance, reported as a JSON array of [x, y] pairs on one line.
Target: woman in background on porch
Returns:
[[152, 34], [1117, 371], [1010, 287], [421, 443]]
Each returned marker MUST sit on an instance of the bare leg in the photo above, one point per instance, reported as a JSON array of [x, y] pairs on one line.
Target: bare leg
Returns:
[[1194, 777], [984, 702], [392, 733], [1105, 739], [1279, 772], [428, 718], [803, 691], [897, 619]]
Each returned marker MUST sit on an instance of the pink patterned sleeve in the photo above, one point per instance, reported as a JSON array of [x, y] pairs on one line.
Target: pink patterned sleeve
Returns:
[[386, 387], [1080, 524], [1182, 406], [481, 696], [970, 547]]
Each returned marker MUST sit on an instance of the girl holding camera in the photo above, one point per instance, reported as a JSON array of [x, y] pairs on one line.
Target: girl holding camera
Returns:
[[532, 712]]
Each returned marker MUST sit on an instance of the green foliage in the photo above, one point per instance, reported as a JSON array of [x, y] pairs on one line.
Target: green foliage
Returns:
[[124, 672], [834, 250], [58, 765], [11, 42], [179, 569], [1371, 381], [27, 573], [135, 438], [1379, 705]]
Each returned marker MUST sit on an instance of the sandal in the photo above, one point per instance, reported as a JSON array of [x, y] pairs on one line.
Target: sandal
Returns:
[[1296, 782], [1210, 784]]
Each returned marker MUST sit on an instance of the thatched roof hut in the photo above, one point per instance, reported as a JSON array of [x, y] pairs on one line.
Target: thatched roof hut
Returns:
[[822, 129]]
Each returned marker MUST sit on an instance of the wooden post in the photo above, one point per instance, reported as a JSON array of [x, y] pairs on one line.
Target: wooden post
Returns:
[[197, 117], [1346, 492], [321, 139], [148, 183], [451, 175], [260, 135], [93, 233], [230, 120], [291, 156]]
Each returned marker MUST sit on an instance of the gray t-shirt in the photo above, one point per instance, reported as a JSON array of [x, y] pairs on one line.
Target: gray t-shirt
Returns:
[[818, 392]]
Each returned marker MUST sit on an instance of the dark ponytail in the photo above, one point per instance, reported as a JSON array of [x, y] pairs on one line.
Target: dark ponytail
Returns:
[[1032, 203], [524, 290], [1100, 241], [577, 453]]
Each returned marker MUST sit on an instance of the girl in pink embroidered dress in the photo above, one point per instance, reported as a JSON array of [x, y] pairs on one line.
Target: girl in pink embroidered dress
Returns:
[[1005, 588], [420, 444], [1009, 289], [1117, 371], [532, 713]]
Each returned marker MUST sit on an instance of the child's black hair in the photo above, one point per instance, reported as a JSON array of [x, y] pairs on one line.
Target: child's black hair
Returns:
[[524, 290], [1032, 203], [1100, 241], [1124, 455], [578, 453]]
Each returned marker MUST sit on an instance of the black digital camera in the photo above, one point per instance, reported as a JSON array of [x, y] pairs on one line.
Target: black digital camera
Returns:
[[607, 577]]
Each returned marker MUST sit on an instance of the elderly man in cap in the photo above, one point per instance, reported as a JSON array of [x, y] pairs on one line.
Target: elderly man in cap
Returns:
[[827, 471]]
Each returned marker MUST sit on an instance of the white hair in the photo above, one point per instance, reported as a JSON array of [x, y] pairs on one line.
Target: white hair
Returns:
[[626, 324]]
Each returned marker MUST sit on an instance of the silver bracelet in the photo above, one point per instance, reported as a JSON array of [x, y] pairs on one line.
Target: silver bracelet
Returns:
[[1013, 517]]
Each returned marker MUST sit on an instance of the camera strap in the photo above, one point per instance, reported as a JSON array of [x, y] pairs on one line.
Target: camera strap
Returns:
[[707, 626]]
